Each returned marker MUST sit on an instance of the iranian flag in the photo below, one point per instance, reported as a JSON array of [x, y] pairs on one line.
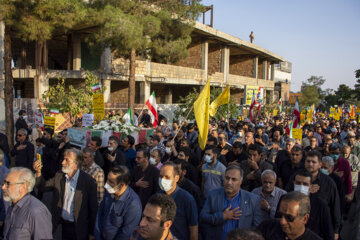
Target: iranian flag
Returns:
[[95, 87], [252, 108], [296, 118], [280, 105], [128, 117], [54, 111], [151, 103]]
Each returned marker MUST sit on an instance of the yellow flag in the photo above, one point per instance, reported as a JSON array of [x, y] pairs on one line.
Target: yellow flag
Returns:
[[223, 98], [201, 111]]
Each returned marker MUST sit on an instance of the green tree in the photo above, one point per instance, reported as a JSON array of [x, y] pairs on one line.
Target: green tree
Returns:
[[224, 111], [357, 85], [310, 96], [344, 94], [154, 29], [37, 21], [71, 100], [316, 81]]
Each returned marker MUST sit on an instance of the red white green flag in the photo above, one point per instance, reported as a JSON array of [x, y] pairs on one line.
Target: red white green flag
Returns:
[[151, 103], [252, 108], [296, 118], [95, 87], [54, 111]]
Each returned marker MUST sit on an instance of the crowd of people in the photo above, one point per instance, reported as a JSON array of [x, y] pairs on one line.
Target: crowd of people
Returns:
[[252, 181]]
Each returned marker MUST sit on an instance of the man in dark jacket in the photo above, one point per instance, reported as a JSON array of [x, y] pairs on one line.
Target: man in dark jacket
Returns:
[[21, 123], [23, 150]]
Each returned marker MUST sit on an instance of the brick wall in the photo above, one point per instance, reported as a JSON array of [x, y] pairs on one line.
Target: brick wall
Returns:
[[260, 68], [119, 92], [214, 58], [241, 65], [237, 94], [193, 60]]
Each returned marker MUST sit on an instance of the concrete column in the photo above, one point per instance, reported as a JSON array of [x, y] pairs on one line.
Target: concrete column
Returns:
[[145, 91], [255, 67], [168, 97], [106, 60], [76, 52], [272, 71], [225, 62], [264, 69], [41, 84], [107, 92], [205, 57]]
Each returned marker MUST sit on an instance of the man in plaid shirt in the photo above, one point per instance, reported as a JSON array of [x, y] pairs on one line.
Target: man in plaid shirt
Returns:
[[91, 168]]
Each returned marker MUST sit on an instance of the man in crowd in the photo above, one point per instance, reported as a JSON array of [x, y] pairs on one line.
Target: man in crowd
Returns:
[[212, 171], [253, 167], [323, 187], [74, 202], [90, 167], [320, 219], [353, 143], [120, 211], [49, 159], [127, 148], [294, 213], [186, 220], [284, 155], [191, 173], [23, 150], [288, 168], [155, 159], [242, 208], [112, 155], [144, 177], [95, 144], [27, 218], [157, 219], [238, 154], [21, 122], [269, 194]]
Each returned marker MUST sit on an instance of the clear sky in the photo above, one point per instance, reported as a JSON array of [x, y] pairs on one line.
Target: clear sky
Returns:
[[319, 37]]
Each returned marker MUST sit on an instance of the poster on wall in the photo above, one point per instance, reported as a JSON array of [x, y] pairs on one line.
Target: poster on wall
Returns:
[[253, 90]]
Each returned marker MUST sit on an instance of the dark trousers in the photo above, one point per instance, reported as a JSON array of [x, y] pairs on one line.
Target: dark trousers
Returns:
[[68, 230]]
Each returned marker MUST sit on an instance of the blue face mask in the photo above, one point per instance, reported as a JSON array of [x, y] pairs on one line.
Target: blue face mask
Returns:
[[335, 156], [324, 171]]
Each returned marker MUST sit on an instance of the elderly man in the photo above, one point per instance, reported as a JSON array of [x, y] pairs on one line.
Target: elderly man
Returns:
[[28, 218], [269, 194], [353, 143], [294, 213], [23, 150], [120, 211], [90, 167], [158, 217], [155, 158], [74, 202], [186, 220], [242, 208]]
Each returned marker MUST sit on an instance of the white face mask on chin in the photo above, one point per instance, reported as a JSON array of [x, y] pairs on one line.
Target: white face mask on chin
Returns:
[[109, 188]]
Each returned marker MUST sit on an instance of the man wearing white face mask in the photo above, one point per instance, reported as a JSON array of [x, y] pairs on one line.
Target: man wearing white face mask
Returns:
[[320, 219], [120, 211], [185, 225], [212, 171]]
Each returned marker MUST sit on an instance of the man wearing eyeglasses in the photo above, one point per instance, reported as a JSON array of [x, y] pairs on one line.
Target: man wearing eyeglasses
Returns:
[[27, 218], [294, 213]]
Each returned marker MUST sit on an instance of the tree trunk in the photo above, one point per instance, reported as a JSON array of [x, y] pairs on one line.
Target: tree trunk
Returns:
[[132, 80], [8, 90]]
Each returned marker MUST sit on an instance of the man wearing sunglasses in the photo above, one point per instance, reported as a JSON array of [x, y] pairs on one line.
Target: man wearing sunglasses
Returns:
[[294, 213]]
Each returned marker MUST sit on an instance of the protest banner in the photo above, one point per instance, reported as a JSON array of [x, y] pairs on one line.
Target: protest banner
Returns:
[[87, 120], [98, 106], [297, 133]]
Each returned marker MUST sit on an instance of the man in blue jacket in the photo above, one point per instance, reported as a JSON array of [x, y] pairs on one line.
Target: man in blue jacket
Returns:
[[230, 207]]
